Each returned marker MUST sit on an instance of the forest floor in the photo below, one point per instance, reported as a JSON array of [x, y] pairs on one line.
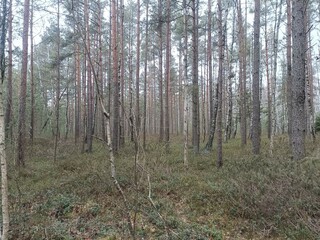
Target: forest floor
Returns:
[[250, 197]]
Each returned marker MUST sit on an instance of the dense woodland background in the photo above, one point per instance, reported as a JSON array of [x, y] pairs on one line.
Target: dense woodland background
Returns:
[[168, 88]]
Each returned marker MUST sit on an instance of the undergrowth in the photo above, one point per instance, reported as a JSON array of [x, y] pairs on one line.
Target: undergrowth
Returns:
[[250, 197]]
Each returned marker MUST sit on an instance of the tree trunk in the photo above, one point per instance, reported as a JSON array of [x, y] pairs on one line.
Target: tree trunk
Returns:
[[213, 121], [88, 69], [209, 49], [32, 104], [220, 73], [256, 125], [4, 180], [23, 88], [145, 77], [57, 100], [168, 55], [8, 116], [3, 158], [242, 77], [195, 84], [122, 71], [77, 126], [289, 68], [298, 78], [269, 99], [161, 126], [115, 135], [274, 81], [137, 114]]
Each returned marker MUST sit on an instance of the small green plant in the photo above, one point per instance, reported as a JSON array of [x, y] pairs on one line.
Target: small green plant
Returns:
[[317, 124]]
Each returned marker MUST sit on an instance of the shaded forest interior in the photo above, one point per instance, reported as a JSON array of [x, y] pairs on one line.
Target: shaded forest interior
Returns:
[[154, 119]]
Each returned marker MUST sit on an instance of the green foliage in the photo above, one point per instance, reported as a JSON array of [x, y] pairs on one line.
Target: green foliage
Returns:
[[317, 124], [249, 198]]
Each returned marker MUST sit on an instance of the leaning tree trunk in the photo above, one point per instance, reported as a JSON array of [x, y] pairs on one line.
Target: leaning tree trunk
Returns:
[[213, 121]]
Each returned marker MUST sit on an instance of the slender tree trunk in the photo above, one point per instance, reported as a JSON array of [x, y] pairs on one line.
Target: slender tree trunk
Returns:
[[57, 100], [21, 146], [220, 73], [231, 75], [298, 78], [185, 127], [4, 179], [8, 116], [32, 105], [122, 71], [256, 125], [137, 114], [242, 77], [274, 80], [168, 55], [115, 136], [185, 79], [3, 158], [161, 134], [269, 130], [77, 121], [101, 70], [195, 84], [145, 77], [88, 69], [213, 121], [309, 82], [289, 68]]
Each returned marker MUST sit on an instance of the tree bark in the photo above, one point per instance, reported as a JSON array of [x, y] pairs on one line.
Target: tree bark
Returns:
[[161, 126], [32, 104], [298, 78], [256, 125], [3, 158], [145, 77], [213, 121], [168, 55], [220, 73], [115, 135], [122, 71], [289, 68], [137, 113], [195, 84], [8, 116], [23, 88], [57, 100], [242, 76]]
